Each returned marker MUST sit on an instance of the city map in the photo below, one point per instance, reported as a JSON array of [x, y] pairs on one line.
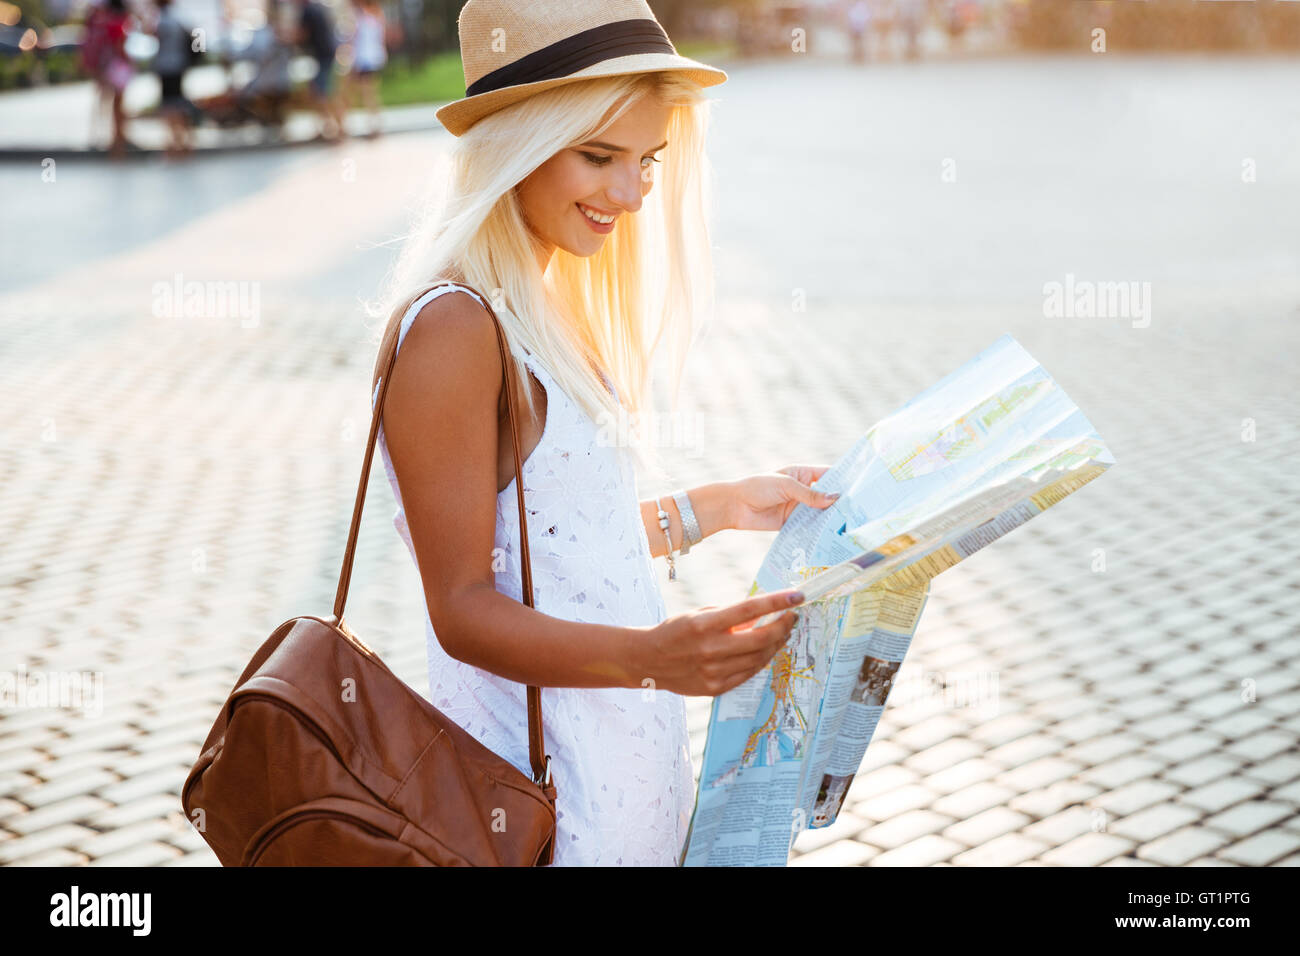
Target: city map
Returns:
[[971, 458]]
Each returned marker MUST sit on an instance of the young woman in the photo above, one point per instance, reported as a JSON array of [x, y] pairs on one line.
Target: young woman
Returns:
[[554, 216]]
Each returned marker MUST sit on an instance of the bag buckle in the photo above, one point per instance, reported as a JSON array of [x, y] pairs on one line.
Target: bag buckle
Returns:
[[545, 777]]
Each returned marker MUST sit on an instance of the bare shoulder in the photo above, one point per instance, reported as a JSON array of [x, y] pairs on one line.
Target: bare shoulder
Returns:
[[450, 350]]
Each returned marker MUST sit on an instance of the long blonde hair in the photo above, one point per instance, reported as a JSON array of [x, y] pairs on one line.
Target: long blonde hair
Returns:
[[649, 286]]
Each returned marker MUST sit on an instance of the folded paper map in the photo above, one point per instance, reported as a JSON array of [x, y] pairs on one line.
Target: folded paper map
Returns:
[[969, 459]]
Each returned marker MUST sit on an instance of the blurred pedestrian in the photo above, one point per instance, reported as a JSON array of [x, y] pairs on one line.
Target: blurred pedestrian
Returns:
[[369, 55], [316, 34], [175, 51], [859, 28], [912, 18], [103, 55]]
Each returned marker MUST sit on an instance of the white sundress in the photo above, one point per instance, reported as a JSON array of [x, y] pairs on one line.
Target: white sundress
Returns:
[[620, 758]]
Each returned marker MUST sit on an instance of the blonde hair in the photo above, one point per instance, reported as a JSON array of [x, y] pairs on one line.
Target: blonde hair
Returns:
[[650, 285]]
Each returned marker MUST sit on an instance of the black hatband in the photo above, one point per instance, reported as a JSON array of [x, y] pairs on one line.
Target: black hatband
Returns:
[[573, 53]]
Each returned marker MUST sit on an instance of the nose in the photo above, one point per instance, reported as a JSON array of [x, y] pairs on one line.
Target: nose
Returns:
[[625, 192]]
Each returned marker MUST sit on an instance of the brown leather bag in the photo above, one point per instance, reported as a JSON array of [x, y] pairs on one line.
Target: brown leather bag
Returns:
[[321, 756]]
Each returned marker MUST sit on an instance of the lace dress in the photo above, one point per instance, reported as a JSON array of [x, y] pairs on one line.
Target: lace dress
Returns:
[[620, 757]]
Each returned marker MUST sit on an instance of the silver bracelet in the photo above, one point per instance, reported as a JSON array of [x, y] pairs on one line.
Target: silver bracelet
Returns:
[[663, 523], [691, 534]]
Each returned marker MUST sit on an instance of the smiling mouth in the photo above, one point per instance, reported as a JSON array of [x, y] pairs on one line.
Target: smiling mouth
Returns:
[[596, 217]]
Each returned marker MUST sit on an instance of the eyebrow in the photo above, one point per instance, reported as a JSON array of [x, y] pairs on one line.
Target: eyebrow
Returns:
[[619, 149]]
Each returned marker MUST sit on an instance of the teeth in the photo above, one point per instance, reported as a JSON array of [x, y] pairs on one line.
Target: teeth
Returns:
[[594, 217]]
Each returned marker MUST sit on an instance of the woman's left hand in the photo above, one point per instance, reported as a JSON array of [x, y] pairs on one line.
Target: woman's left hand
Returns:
[[763, 502]]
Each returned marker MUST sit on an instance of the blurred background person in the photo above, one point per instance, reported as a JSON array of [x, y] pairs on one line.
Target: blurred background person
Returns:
[[103, 55], [859, 28], [316, 35], [369, 55], [170, 63], [911, 19]]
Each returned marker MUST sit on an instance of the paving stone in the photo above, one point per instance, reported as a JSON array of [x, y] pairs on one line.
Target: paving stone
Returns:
[[983, 827], [1202, 770], [1101, 749], [904, 828], [1060, 828], [1090, 849], [1262, 849], [1006, 850], [1186, 746], [1245, 721], [846, 826], [1277, 770], [1040, 773], [1259, 747], [39, 841], [1049, 800], [968, 801], [840, 853], [1086, 727], [1215, 706], [1134, 797], [1220, 794], [21, 759], [942, 756], [1025, 750], [1247, 818], [1182, 846], [928, 733], [168, 780], [893, 802], [1153, 822], [1144, 705], [74, 785], [881, 753], [964, 774], [145, 808], [142, 854], [71, 810], [197, 858], [59, 856], [1164, 726], [1004, 729], [124, 838], [1116, 773], [930, 850], [868, 785]]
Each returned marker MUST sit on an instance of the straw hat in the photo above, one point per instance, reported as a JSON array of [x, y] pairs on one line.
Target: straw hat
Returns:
[[512, 49]]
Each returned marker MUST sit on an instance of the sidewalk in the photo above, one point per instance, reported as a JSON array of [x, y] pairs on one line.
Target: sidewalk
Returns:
[[56, 121], [61, 121]]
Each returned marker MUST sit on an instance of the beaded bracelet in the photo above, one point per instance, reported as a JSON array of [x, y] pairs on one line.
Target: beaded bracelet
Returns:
[[663, 523]]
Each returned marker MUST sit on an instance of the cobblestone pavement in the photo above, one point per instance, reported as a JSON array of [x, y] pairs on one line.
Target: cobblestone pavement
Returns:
[[176, 487]]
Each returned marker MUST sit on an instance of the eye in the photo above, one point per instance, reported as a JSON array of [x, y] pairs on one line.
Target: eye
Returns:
[[652, 158], [597, 160]]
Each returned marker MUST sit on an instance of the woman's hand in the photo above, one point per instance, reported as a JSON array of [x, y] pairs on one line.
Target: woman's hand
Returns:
[[709, 651], [764, 502]]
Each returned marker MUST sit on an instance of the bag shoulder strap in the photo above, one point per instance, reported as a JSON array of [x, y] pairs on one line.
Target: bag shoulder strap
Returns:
[[536, 744]]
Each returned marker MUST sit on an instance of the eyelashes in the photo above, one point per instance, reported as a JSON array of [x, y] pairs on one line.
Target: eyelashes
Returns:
[[596, 160]]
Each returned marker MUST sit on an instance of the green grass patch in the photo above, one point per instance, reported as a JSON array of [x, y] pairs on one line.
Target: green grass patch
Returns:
[[440, 78], [436, 80]]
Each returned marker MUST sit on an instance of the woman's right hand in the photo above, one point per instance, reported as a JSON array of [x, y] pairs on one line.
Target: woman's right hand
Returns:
[[707, 652]]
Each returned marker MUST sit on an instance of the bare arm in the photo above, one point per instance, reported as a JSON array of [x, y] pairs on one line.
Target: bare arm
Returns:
[[712, 504], [440, 424]]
